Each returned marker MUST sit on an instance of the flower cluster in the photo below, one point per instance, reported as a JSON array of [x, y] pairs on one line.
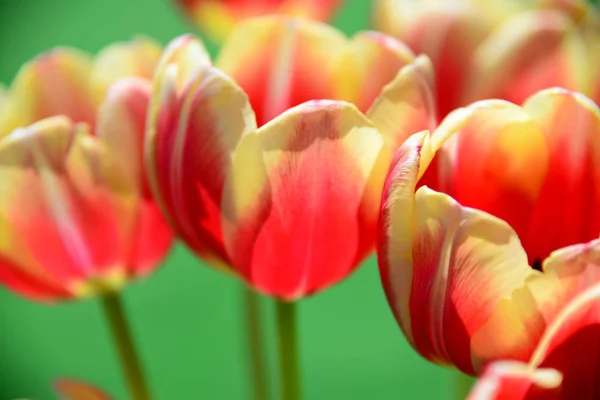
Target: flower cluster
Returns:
[[462, 146]]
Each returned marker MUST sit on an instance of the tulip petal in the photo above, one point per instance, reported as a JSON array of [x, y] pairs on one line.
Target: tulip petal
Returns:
[[136, 58], [529, 318], [555, 315], [377, 58], [499, 158], [406, 105], [274, 60], [218, 18], [513, 380], [432, 253], [65, 208], [566, 210], [121, 126], [530, 52], [304, 215], [192, 134], [55, 83], [70, 389]]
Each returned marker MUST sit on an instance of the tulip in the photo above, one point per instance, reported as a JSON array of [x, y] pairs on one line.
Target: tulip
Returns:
[[77, 215], [77, 212], [217, 18], [226, 157], [456, 271], [262, 177], [509, 50]]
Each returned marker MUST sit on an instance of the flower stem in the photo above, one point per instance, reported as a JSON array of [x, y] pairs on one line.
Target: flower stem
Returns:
[[255, 343], [463, 384], [123, 339], [288, 350]]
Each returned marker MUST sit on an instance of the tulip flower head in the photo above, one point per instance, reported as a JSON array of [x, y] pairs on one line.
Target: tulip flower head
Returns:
[[456, 270], [509, 50], [77, 215], [260, 175], [217, 18]]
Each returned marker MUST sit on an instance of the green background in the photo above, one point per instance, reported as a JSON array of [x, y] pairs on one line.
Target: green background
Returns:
[[186, 316]]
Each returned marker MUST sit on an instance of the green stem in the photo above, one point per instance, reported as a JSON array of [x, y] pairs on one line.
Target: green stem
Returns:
[[463, 384], [255, 343], [123, 339], [288, 350]]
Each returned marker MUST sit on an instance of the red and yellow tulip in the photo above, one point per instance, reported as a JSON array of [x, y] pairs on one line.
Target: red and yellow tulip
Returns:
[[217, 18], [260, 175], [484, 49], [77, 217], [456, 271]]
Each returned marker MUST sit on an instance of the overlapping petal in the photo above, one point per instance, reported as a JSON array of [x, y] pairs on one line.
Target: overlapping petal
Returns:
[[197, 120], [275, 60], [218, 17], [304, 215]]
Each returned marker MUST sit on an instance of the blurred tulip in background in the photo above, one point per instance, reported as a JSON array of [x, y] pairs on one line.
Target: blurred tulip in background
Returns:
[[506, 49], [217, 18], [77, 216]]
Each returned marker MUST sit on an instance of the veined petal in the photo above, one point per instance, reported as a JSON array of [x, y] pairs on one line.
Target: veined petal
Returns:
[[566, 210], [514, 380], [137, 58], [406, 104], [433, 256], [530, 52], [377, 59], [304, 216], [274, 60], [218, 18], [71, 389], [499, 159], [191, 134], [55, 83]]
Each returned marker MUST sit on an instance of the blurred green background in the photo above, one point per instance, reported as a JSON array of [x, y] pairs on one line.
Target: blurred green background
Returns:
[[187, 317]]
